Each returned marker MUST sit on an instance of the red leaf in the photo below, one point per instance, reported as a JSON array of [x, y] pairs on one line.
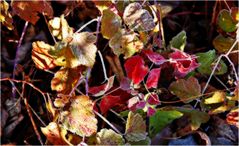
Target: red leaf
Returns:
[[154, 57], [183, 63], [153, 99], [125, 84], [102, 89], [153, 78], [108, 102], [135, 69]]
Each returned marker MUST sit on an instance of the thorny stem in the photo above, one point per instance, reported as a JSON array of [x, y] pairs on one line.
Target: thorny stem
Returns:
[[18, 50], [82, 27], [103, 66]]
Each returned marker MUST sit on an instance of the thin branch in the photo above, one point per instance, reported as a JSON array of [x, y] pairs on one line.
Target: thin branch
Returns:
[[103, 66], [85, 25]]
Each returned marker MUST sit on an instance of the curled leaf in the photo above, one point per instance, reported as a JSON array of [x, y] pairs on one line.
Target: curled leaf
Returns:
[[138, 18], [109, 137], [65, 80], [135, 127], [80, 118], [29, 10], [41, 57], [186, 90], [5, 16], [110, 23], [135, 69]]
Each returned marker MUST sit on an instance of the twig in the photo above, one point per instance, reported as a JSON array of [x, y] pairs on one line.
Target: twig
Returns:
[[161, 27], [103, 66], [227, 5], [85, 25], [43, 123], [49, 29], [221, 83]]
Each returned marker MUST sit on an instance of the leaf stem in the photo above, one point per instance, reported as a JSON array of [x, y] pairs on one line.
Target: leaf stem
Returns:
[[85, 25]]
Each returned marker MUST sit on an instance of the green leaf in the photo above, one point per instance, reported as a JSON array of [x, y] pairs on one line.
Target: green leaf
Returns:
[[223, 44], [206, 60], [161, 119], [218, 96], [179, 41], [110, 23], [135, 127], [109, 137], [197, 117], [225, 21], [186, 89], [146, 141]]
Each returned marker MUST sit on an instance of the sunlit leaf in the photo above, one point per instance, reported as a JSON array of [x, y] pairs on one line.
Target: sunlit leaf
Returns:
[[65, 80], [235, 14], [135, 127], [61, 101], [41, 57], [54, 134], [108, 102], [233, 118], [126, 43], [225, 21], [223, 44], [110, 24], [206, 61], [223, 107], [80, 118], [218, 96], [152, 80], [135, 69], [102, 5], [138, 18], [109, 137], [196, 117], [29, 10], [102, 89], [5, 16], [81, 50], [161, 119], [179, 41], [186, 89]]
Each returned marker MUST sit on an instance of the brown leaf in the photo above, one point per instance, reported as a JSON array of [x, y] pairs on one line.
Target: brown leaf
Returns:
[[28, 10]]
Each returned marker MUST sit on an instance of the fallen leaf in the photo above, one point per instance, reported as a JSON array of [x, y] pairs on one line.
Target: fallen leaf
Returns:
[[218, 96], [109, 137], [60, 28], [5, 16], [138, 18], [110, 23], [29, 10], [126, 43], [40, 56], [179, 41], [135, 127], [186, 90], [54, 134], [102, 89], [223, 44], [206, 61], [152, 80], [161, 119], [107, 102], [225, 21], [66, 79], [135, 69], [154, 57], [80, 118]]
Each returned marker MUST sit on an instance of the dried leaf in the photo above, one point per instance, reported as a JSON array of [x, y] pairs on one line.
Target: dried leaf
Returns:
[[160, 119], [152, 80], [218, 96], [54, 134], [135, 69], [223, 44], [135, 127], [179, 41], [109, 137], [80, 118], [66, 79], [186, 90], [126, 43], [40, 56], [28, 10], [60, 28], [225, 21], [138, 18], [102, 89], [5, 16], [206, 61], [110, 24]]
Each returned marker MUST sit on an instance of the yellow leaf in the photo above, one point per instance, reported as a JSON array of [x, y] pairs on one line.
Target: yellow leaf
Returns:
[[218, 96], [109, 137], [5, 16], [223, 44], [80, 118]]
